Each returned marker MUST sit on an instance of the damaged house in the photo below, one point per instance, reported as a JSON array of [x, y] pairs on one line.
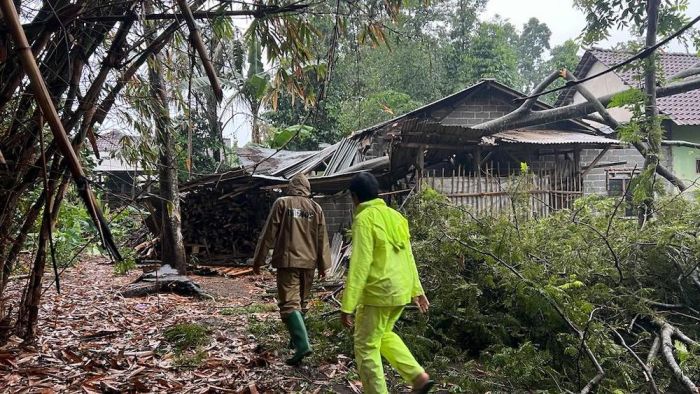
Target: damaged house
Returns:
[[681, 121], [222, 214]]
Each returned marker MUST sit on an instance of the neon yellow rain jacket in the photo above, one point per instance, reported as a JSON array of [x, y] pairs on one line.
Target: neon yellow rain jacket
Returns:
[[382, 269]]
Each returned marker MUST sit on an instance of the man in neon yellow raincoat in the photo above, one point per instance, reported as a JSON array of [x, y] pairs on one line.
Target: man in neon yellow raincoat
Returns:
[[383, 278]]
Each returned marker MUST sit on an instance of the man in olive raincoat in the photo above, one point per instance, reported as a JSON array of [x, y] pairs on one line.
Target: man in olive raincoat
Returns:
[[383, 278], [296, 230]]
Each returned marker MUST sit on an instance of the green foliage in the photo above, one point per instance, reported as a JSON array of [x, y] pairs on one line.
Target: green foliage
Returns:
[[490, 329], [427, 51], [73, 228], [204, 145], [375, 108], [127, 264], [603, 16], [281, 137], [564, 56], [626, 98], [532, 44], [493, 54]]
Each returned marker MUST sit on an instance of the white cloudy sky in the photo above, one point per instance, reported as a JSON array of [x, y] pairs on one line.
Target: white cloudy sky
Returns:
[[563, 19]]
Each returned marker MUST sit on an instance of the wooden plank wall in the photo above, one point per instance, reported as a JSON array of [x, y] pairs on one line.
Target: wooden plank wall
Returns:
[[487, 193]]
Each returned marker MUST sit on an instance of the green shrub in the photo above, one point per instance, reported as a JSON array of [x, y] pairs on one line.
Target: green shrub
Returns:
[[498, 288]]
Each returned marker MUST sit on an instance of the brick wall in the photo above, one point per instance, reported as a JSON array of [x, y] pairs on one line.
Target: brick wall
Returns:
[[595, 181], [338, 210]]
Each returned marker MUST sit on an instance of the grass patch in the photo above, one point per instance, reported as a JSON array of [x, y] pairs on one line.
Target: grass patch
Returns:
[[187, 336], [187, 340], [328, 336], [228, 312], [269, 332]]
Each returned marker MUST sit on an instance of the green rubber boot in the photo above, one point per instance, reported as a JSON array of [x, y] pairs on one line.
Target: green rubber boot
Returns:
[[290, 345], [300, 338]]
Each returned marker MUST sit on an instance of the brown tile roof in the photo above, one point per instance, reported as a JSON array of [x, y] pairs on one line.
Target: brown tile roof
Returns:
[[683, 109]]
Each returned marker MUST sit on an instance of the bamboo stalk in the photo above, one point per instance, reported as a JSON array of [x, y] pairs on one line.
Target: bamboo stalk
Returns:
[[201, 50], [43, 98]]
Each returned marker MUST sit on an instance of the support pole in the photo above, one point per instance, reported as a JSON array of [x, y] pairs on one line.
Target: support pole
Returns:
[[420, 167]]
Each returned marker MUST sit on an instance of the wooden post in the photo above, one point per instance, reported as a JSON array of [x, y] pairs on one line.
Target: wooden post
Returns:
[[420, 167], [477, 159], [43, 98], [577, 168]]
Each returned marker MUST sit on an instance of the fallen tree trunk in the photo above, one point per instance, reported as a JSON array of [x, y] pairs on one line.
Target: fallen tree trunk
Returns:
[[163, 280]]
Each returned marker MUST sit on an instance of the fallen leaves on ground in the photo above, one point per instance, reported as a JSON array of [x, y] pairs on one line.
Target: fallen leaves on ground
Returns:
[[93, 341]]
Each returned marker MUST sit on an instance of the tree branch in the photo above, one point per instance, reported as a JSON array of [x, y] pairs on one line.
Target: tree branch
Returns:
[[600, 372], [258, 12], [526, 106], [609, 246], [645, 368], [577, 110], [600, 108], [695, 70], [653, 351], [666, 332], [649, 50], [680, 143], [43, 98]]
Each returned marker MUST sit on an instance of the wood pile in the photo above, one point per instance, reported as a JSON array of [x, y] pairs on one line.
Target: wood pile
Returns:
[[222, 217], [221, 229]]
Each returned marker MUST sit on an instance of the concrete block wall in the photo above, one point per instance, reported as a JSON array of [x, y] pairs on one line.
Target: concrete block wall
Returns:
[[478, 109], [595, 181], [338, 210]]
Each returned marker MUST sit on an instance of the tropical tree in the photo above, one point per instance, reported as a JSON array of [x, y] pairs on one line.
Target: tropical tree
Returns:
[[532, 45]]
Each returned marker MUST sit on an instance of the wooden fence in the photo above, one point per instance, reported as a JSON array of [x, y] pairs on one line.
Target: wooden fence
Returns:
[[487, 193]]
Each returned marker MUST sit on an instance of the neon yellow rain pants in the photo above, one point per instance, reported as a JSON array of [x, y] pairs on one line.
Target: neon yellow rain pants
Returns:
[[374, 338]]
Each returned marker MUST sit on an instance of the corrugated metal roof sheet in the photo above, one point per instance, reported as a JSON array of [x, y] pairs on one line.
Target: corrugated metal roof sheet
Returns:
[[347, 153], [251, 155], [545, 137]]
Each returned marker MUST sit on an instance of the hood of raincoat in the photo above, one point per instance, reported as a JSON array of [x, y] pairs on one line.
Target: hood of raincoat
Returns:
[[299, 186], [395, 225]]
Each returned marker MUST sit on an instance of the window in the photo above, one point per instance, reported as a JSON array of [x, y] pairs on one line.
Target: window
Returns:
[[616, 187], [697, 166], [617, 183]]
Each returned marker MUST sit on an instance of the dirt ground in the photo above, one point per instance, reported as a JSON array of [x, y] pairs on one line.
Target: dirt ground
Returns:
[[93, 340]]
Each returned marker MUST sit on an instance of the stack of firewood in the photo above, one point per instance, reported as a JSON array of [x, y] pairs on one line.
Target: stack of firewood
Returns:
[[222, 228]]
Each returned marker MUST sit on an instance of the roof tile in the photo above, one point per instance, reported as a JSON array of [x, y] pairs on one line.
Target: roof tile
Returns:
[[684, 108]]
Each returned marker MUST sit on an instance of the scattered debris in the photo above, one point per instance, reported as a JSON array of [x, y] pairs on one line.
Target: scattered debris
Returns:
[[227, 272], [93, 340]]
